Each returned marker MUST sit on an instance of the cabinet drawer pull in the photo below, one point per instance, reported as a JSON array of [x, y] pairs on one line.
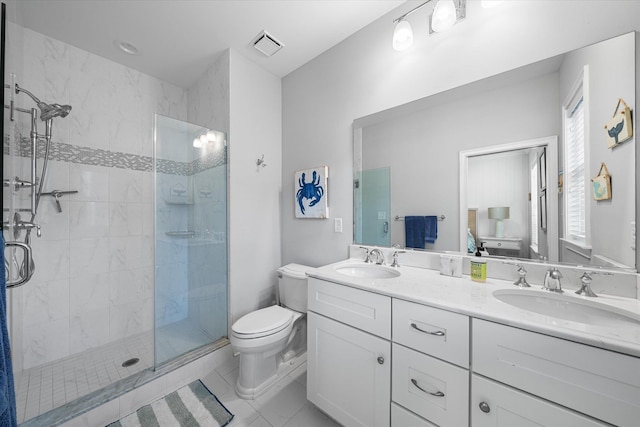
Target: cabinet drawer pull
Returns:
[[436, 333], [484, 407], [436, 394], [381, 360]]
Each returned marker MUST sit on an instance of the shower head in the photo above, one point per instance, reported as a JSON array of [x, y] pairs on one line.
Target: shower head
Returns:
[[47, 111]]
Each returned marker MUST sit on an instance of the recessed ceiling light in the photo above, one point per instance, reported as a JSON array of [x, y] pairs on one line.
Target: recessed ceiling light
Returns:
[[128, 48]]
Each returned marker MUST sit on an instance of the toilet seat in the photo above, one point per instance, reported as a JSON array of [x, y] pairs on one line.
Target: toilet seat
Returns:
[[264, 322]]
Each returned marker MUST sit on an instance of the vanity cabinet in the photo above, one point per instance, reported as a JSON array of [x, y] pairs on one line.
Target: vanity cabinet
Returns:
[[377, 361], [599, 383], [349, 368]]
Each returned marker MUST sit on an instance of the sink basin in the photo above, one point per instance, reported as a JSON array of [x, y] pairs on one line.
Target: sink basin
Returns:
[[367, 271], [568, 307]]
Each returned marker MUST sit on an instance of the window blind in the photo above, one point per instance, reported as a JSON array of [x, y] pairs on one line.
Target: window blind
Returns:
[[574, 174]]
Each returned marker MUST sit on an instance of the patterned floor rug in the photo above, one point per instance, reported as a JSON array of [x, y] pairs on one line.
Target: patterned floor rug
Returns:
[[191, 406]]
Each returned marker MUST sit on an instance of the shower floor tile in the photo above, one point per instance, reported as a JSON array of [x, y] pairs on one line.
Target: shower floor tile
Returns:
[[45, 387]]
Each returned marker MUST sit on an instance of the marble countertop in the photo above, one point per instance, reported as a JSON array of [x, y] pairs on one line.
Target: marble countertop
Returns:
[[462, 295]]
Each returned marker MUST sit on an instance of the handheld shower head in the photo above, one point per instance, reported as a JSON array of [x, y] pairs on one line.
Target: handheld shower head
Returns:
[[47, 111]]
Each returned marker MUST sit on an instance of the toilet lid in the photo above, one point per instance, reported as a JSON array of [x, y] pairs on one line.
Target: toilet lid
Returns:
[[265, 321]]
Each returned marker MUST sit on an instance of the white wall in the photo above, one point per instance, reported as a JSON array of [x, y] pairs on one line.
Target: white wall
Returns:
[[363, 74], [254, 204]]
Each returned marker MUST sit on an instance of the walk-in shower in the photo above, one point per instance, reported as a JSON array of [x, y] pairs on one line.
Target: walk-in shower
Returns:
[[128, 280]]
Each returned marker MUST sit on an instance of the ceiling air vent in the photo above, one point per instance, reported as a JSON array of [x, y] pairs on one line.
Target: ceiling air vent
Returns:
[[267, 44]]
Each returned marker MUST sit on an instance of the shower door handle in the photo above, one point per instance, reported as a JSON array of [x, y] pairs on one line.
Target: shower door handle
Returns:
[[385, 227], [26, 272]]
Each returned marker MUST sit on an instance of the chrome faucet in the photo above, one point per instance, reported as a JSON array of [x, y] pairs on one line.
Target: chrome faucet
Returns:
[[395, 258], [522, 280], [585, 287], [585, 283], [379, 256], [552, 281], [367, 253]]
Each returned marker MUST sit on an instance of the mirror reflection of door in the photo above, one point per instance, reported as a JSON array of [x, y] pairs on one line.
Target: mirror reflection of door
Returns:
[[376, 207]]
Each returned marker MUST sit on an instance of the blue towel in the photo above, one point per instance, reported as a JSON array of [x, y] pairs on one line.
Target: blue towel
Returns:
[[430, 229], [414, 228], [7, 392]]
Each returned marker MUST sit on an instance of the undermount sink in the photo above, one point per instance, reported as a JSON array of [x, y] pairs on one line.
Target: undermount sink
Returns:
[[367, 271], [568, 307]]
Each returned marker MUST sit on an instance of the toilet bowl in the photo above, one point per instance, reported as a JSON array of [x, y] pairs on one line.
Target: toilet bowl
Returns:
[[272, 341]]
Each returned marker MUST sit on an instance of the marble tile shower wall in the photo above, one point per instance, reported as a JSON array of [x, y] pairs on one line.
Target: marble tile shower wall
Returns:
[[94, 262]]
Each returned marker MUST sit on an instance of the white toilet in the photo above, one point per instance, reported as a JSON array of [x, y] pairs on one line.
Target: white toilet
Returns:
[[272, 341]]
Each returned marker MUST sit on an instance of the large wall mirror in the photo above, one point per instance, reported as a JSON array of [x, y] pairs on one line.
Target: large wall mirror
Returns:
[[494, 164]]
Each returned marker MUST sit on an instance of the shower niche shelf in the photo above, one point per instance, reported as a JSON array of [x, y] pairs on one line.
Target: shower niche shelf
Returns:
[[178, 203], [181, 234]]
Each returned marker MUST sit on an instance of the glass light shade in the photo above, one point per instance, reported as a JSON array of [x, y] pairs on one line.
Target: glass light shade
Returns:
[[402, 36], [211, 136], [197, 143], [444, 16]]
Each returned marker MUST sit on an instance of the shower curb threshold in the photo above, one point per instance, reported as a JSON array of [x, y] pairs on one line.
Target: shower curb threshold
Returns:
[[67, 412]]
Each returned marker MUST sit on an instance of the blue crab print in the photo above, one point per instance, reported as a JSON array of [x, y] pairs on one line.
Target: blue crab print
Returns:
[[309, 190]]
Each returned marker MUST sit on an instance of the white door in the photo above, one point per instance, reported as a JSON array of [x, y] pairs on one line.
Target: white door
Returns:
[[348, 373], [496, 405]]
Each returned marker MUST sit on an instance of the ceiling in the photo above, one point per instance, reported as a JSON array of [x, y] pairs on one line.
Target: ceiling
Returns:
[[180, 39]]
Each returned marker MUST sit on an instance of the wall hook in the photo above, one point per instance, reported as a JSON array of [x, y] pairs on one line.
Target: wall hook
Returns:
[[260, 161]]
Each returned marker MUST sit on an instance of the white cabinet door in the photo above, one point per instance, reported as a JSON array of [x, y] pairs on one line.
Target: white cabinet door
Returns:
[[496, 405], [348, 373]]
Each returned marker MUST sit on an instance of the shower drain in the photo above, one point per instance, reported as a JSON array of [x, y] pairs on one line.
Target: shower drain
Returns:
[[130, 362]]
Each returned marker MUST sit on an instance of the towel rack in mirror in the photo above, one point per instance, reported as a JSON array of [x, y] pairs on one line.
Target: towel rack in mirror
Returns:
[[401, 218]]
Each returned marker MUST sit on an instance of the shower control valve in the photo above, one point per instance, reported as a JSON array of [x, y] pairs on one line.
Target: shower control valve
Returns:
[[24, 225]]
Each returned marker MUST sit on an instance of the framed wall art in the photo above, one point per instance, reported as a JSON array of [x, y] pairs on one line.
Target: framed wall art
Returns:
[[311, 192]]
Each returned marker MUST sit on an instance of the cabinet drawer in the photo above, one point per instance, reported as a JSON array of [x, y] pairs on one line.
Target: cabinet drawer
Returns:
[[501, 244], [439, 333], [496, 405], [360, 309], [599, 383], [433, 389], [400, 417]]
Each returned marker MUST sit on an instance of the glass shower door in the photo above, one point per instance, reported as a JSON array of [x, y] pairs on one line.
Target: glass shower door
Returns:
[[190, 168]]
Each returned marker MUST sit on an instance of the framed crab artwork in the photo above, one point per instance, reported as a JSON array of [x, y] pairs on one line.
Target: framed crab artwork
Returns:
[[311, 192]]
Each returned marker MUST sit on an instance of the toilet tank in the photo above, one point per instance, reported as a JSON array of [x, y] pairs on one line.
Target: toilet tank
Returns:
[[292, 286]]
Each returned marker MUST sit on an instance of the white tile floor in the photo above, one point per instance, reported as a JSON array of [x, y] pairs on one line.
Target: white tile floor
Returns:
[[284, 405], [43, 388]]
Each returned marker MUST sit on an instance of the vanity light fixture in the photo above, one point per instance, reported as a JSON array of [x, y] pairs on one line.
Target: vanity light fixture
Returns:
[[445, 14], [402, 35]]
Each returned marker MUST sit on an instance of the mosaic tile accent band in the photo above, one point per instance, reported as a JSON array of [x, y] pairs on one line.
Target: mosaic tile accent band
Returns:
[[114, 159]]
